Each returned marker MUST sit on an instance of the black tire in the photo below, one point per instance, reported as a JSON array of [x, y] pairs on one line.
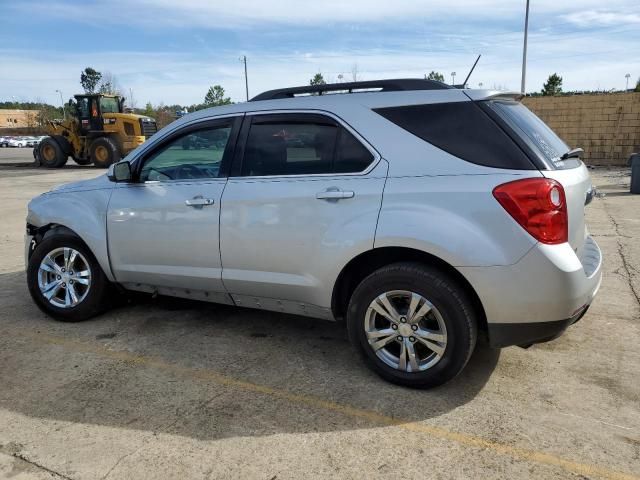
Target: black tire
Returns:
[[51, 154], [103, 152], [82, 161], [447, 297], [99, 289]]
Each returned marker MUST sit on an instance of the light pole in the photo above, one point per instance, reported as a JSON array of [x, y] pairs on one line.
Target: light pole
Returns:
[[627, 76], [524, 51], [64, 113], [453, 78], [246, 79]]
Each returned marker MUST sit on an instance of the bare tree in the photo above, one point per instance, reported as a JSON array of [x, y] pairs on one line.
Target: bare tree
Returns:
[[110, 85], [356, 76]]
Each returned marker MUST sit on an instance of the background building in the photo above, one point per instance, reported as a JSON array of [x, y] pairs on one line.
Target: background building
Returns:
[[10, 118]]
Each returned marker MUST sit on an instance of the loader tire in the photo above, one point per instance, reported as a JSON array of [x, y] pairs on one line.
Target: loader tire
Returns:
[[103, 152], [51, 154]]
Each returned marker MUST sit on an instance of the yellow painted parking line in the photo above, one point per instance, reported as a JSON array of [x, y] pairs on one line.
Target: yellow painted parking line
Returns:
[[316, 402]]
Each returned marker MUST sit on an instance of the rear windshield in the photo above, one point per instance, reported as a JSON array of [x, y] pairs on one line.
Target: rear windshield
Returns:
[[534, 132], [462, 129]]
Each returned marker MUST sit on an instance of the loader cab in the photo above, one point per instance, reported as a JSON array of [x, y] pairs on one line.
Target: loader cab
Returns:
[[91, 108]]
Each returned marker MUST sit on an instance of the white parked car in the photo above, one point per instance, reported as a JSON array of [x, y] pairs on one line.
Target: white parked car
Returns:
[[18, 142]]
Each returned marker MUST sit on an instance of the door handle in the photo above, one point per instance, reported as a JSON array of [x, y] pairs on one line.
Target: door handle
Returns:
[[198, 202], [334, 194]]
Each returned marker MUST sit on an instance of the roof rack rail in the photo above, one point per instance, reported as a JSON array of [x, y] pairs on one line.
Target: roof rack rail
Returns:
[[396, 85]]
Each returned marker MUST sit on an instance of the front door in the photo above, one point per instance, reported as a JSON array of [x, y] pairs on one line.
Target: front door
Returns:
[[163, 229], [305, 199]]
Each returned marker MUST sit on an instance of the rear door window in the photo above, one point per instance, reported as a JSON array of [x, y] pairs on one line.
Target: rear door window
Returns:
[[463, 130], [352, 156], [301, 145]]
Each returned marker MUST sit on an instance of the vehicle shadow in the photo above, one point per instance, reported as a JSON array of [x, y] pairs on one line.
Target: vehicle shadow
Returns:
[[204, 371], [71, 165]]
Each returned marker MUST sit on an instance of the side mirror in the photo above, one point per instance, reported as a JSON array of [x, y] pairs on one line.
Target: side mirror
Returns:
[[120, 172]]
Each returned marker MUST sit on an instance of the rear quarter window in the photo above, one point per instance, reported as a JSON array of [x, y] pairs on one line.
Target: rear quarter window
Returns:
[[463, 130], [536, 134]]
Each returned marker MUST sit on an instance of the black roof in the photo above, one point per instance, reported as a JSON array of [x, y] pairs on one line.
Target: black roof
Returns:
[[394, 85]]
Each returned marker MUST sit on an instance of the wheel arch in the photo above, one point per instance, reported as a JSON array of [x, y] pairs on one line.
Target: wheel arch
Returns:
[[50, 229], [75, 213], [367, 262]]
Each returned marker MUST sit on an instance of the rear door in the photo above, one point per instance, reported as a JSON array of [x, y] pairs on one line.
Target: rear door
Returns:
[[304, 195]]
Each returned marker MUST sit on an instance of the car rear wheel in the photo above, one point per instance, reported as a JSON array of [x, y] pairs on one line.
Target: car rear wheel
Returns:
[[65, 280], [413, 325]]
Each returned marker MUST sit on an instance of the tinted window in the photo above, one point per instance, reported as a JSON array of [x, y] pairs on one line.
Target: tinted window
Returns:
[[302, 148], [195, 155], [83, 107], [540, 137], [461, 129], [289, 149], [352, 156]]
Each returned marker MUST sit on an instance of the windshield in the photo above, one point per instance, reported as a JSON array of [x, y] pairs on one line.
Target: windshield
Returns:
[[109, 105], [537, 134]]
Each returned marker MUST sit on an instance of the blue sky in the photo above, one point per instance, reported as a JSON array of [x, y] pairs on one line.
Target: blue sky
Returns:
[[171, 51]]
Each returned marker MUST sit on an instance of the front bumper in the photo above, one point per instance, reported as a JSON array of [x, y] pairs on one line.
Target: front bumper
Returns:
[[29, 245], [536, 299]]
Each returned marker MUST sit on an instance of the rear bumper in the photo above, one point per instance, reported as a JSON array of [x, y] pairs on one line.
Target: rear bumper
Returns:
[[526, 334], [536, 299]]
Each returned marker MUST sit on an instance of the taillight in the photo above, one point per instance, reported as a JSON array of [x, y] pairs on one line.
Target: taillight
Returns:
[[538, 205]]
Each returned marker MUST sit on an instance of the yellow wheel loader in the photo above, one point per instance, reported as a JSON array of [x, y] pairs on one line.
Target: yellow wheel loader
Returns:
[[98, 131]]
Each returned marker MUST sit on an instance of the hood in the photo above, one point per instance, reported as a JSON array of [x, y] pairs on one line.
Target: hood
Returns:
[[97, 183]]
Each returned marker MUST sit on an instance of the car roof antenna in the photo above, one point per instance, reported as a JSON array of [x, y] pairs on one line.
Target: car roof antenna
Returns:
[[470, 72]]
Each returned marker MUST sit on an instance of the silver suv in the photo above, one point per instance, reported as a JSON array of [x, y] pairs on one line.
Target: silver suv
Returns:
[[419, 213]]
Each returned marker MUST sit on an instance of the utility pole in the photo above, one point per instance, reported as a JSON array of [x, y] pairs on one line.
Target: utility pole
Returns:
[[64, 113], [246, 79], [453, 78], [524, 51]]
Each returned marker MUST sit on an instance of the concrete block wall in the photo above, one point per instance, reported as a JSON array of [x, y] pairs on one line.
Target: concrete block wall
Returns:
[[607, 126]]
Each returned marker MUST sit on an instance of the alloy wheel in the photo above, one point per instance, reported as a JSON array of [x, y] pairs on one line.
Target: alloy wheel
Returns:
[[64, 277], [406, 331]]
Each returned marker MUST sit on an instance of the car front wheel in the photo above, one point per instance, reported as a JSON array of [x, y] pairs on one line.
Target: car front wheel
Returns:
[[413, 325], [65, 280]]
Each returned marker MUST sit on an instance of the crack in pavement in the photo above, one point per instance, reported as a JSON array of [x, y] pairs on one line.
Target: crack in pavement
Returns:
[[625, 263], [164, 429], [41, 467], [121, 459]]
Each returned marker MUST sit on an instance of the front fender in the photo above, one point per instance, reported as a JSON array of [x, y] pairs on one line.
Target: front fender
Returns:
[[84, 212]]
